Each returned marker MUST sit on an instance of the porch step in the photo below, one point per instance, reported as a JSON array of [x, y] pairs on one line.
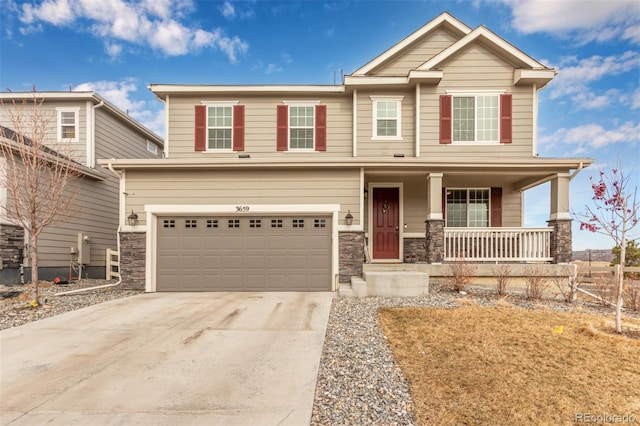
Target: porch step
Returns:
[[345, 291]]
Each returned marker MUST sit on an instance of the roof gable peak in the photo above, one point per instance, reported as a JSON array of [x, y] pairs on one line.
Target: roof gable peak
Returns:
[[444, 19]]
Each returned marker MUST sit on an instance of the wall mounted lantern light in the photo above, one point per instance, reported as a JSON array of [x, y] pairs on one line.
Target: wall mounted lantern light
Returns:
[[349, 218], [132, 219]]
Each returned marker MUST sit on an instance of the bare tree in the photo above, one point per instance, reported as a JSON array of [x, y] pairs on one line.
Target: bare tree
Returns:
[[40, 175], [615, 213]]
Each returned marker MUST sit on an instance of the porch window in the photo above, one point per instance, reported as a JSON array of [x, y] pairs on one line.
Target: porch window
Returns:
[[387, 117], [467, 208]]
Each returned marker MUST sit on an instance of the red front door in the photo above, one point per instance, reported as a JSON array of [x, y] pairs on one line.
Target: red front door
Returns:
[[386, 222]]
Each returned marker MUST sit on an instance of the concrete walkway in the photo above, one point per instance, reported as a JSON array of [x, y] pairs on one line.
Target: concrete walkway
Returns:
[[168, 359]]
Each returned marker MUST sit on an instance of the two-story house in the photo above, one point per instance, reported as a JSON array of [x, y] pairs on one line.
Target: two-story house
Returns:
[[95, 129], [422, 154]]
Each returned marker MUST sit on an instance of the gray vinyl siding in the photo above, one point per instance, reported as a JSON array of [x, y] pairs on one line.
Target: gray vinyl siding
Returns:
[[477, 68], [244, 187], [369, 147], [416, 54], [76, 150], [260, 125], [115, 139]]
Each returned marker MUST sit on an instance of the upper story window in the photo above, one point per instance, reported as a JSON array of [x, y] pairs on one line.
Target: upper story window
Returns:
[[475, 118], [387, 112], [152, 148], [468, 208], [68, 124], [301, 126], [219, 126]]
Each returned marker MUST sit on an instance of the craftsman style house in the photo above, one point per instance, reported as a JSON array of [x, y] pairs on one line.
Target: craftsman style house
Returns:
[[421, 155], [94, 128]]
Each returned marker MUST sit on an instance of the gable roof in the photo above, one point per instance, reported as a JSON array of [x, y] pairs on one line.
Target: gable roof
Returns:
[[483, 33], [444, 19], [86, 96]]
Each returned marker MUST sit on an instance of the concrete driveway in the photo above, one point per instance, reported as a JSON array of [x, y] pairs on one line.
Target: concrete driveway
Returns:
[[168, 359]]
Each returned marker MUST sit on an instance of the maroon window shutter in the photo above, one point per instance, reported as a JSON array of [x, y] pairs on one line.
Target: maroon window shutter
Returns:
[[505, 119], [444, 205], [445, 118], [238, 127], [321, 127], [201, 128], [496, 207], [283, 128]]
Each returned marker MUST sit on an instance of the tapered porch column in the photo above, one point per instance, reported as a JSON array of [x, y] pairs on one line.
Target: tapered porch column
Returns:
[[560, 219], [435, 220]]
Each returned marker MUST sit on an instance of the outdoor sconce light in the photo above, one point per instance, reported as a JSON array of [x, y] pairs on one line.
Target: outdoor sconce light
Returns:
[[349, 218], [132, 219]]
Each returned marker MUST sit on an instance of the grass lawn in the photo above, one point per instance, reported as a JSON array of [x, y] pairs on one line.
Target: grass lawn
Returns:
[[506, 366]]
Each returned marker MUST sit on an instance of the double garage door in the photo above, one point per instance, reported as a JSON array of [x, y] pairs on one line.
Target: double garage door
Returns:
[[210, 253]]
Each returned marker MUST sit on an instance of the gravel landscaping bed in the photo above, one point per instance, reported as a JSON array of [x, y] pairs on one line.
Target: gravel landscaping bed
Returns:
[[15, 311], [359, 382]]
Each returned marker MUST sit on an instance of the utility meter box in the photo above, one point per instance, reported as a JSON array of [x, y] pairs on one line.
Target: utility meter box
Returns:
[[84, 248]]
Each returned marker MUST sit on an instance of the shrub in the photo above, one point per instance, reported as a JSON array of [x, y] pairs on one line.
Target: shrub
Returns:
[[632, 295], [461, 275], [535, 283], [502, 274], [568, 287]]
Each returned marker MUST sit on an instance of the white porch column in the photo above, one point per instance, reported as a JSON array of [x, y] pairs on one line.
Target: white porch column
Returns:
[[559, 199]]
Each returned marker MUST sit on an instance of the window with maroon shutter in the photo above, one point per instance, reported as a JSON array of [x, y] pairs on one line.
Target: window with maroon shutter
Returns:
[[505, 118], [238, 127], [321, 128], [200, 128], [283, 128], [445, 119]]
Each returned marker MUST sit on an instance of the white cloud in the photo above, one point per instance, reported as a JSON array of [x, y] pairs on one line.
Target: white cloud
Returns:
[[635, 99], [113, 49], [584, 20], [122, 95], [228, 11], [594, 136], [271, 68], [160, 24], [575, 74]]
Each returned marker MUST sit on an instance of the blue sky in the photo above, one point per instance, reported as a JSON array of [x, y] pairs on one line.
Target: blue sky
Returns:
[[118, 47]]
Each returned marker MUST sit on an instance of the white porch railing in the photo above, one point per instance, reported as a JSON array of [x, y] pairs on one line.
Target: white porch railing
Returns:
[[498, 244]]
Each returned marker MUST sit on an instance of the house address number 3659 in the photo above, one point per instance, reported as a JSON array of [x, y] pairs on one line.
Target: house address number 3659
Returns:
[[242, 208]]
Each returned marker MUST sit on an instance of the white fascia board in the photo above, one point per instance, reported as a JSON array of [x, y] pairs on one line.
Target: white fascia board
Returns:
[[473, 36], [430, 26], [374, 81], [161, 90], [232, 209]]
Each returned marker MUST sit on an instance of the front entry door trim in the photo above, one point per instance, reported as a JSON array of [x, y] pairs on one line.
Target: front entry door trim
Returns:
[[370, 208]]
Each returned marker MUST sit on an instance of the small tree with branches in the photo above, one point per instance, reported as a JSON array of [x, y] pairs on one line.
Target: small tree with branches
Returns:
[[615, 213], [39, 174]]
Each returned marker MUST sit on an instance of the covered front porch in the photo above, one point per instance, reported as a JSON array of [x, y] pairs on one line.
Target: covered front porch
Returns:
[[472, 215]]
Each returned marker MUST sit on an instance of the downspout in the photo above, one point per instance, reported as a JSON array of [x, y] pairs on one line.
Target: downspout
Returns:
[[64, 293], [92, 151], [576, 171]]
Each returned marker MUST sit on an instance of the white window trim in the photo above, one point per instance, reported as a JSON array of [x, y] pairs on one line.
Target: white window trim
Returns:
[[474, 93], [300, 104], [469, 189], [76, 113], [152, 148], [374, 130], [224, 104]]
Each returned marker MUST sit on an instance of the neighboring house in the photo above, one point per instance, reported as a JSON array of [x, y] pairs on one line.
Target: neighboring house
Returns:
[[97, 130], [421, 154]]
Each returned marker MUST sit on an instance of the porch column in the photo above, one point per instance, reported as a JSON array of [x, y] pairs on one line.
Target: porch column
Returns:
[[435, 220], [560, 219]]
